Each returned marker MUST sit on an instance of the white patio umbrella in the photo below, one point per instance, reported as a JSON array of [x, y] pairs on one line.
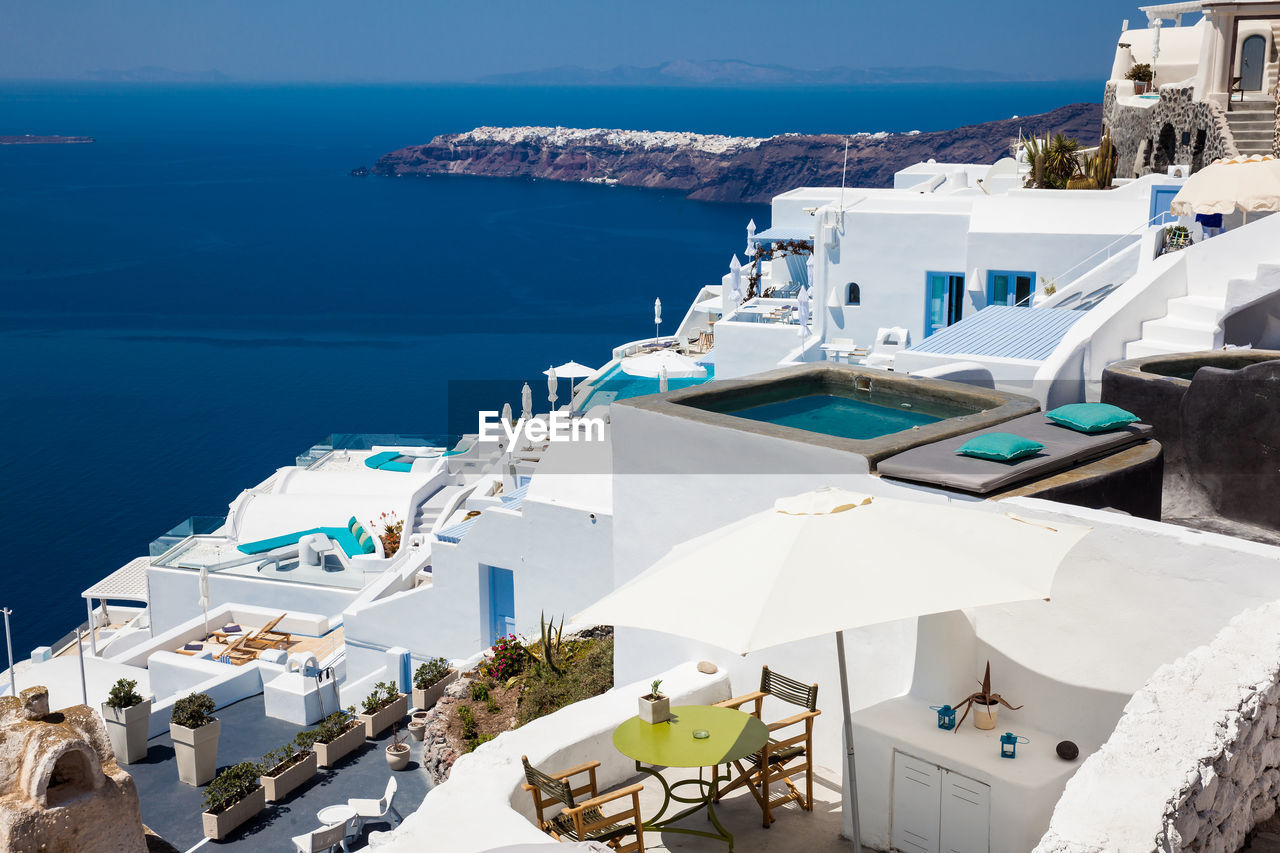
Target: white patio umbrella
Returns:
[[571, 370], [652, 363], [526, 402], [808, 267], [733, 294], [553, 385], [506, 413], [722, 588], [204, 598], [662, 380], [804, 312], [1247, 184], [751, 238], [657, 318]]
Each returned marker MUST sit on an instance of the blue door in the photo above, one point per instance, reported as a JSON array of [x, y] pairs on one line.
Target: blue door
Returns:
[[945, 300], [1161, 198], [502, 603], [1009, 287]]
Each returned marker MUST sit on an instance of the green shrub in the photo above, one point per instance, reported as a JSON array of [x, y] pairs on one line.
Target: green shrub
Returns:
[[283, 757], [232, 785], [382, 695], [479, 691], [589, 673], [491, 705], [193, 711], [123, 694], [474, 742], [468, 722], [330, 729], [1141, 72], [508, 659], [430, 673]]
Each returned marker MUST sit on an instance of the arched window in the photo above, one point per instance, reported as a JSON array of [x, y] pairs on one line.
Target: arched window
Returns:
[[854, 296]]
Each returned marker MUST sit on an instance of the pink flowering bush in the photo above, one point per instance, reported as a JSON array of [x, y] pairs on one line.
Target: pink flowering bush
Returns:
[[508, 658]]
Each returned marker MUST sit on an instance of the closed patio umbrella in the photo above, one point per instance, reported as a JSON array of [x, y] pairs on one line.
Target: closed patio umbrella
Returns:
[[804, 312], [553, 384], [1248, 184], [751, 238], [526, 402], [733, 294], [506, 413], [722, 588], [662, 380]]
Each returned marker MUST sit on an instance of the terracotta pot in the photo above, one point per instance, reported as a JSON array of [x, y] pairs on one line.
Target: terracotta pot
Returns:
[[378, 722], [655, 708], [417, 730], [219, 826], [283, 784], [196, 751], [329, 754], [127, 728], [984, 716], [398, 756], [425, 699]]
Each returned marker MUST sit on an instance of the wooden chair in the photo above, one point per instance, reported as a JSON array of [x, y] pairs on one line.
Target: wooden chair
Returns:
[[583, 820], [782, 757]]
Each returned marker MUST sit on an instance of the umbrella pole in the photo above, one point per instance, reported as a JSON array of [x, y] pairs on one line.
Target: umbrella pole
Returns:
[[848, 743]]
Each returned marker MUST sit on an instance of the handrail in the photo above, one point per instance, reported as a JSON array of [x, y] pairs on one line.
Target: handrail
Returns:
[[1107, 248]]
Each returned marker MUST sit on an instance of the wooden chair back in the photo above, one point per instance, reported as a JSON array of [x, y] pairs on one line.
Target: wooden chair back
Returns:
[[788, 689]]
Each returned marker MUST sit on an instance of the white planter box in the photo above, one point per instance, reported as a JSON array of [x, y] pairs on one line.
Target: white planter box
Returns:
[[127, 728], [196, 751], [376, 724], [655, 709], [425, 699], [281, 786], [219, 826], [329, 754]]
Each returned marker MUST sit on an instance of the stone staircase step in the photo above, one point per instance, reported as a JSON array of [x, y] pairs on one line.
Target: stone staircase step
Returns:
[[1204, 309]]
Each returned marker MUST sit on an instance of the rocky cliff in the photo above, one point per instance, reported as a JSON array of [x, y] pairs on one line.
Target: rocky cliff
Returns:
[[720, 168]]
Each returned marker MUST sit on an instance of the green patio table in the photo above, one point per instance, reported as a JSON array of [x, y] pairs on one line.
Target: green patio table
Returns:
[[730, 734]]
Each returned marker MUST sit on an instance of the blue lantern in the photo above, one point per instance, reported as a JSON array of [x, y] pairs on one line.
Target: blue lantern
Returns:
[[1009, 744], [946, 717]]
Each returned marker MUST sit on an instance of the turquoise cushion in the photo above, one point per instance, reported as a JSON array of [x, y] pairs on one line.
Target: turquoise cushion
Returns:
[[397, 466], [275, 542], [1091, 417], [1000, 446], [377, 460]]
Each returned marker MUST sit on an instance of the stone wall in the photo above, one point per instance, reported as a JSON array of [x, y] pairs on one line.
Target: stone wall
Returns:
[[1176, 129], [1275, 139], [1194, 762]]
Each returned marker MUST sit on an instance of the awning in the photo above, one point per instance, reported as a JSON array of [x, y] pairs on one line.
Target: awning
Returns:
[[770, 235], [127, 583], [454, 533], [515, 498]]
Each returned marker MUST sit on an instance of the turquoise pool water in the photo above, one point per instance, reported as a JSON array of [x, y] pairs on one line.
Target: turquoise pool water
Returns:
[[838, 416], [616, 385]]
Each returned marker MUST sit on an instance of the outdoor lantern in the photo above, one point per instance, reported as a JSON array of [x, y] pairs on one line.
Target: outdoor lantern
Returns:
[[1009, 744], [946, 717]]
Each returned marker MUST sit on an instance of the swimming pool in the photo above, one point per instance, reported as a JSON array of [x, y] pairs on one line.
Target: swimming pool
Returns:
[[617, 385], [843, 417]]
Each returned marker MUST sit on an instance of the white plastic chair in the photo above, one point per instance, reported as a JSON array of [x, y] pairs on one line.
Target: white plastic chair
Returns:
[[367, 810], [322, 840], [888, 342]]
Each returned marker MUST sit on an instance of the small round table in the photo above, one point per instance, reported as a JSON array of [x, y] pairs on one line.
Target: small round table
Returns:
[[336, 814], [730, 736]]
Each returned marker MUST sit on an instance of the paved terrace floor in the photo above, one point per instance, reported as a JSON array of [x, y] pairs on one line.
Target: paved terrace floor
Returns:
[[172, 809], [793, 830]]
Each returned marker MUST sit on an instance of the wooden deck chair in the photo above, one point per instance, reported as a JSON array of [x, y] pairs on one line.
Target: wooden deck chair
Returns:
[[782, 757], [582, 820], [267, 637], [237, 655]]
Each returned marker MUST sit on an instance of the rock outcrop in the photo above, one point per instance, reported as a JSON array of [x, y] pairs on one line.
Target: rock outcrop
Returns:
[[720, 168]]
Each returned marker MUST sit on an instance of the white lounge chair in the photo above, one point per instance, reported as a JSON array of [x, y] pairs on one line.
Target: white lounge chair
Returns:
[[367, 810], [322, 840], [888, 343]]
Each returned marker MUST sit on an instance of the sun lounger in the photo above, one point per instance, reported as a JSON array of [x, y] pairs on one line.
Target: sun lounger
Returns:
[[937, 464]]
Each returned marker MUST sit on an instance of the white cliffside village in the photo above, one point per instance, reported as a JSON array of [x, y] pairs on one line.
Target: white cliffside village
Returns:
[[875, 341]]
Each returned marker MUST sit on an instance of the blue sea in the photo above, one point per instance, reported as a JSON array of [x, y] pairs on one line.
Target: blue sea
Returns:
[[204, 292]]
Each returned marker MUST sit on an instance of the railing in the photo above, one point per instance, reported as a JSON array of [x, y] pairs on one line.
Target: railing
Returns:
[[369, 440], [1163, 218], [197, 525]]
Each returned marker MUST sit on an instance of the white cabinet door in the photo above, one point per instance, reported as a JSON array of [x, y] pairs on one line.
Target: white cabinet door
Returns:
[[966, 815], [917, 790]]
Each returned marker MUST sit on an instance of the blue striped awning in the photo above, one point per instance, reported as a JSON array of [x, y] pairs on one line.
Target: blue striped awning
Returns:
[[515, 498], [454, 533], [1003, 331], [769, 235]]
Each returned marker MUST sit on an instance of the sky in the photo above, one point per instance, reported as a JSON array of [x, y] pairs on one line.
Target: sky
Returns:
[[426, 40]]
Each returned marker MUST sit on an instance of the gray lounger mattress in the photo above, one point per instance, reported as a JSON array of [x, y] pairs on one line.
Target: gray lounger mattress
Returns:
[[937, 463]]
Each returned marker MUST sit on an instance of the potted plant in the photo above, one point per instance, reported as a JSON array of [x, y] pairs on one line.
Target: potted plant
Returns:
[[397, 750], [417, 728], [1176, 237], [195, 730], [337, 736], [985, 704], [384, 705], [1141, 74], [232, 798], [654, 707], [128, 716], [287, 768], [429, 682]]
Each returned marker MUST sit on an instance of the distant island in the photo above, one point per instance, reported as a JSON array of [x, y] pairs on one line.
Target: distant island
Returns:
[[734, 72], [708, 167], [29, 139]]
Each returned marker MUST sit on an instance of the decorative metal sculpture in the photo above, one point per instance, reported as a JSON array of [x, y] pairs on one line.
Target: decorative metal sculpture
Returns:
[[983, 697]]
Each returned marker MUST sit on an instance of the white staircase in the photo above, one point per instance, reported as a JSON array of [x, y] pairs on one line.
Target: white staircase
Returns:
[[1191, 324], [1253, 125]]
